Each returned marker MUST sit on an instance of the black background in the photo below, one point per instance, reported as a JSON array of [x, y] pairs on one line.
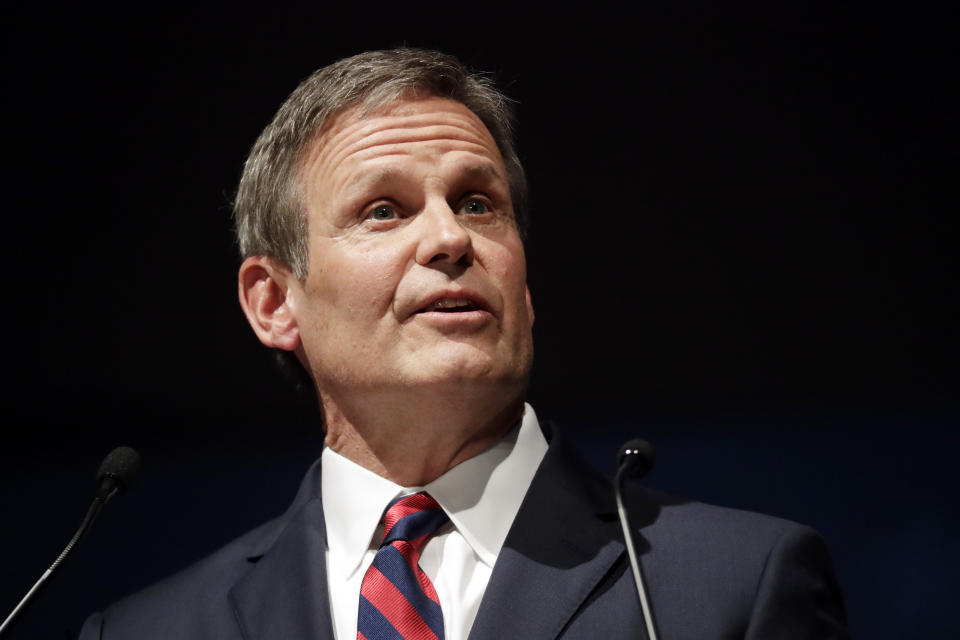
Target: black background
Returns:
[[741, 249]]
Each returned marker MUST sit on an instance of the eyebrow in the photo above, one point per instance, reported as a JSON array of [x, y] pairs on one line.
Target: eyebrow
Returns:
[[482, 170], [373, 179]]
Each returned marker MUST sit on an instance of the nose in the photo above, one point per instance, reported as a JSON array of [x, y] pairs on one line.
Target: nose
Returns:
[[442, 238]]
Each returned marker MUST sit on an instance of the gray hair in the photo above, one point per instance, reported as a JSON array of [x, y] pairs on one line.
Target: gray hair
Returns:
[[269, 208]]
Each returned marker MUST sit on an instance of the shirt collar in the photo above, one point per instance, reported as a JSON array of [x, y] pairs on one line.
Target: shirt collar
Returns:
[[482, 495]]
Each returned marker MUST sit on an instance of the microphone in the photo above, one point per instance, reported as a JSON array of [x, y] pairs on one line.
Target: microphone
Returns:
[[118, 472], [635, 458]]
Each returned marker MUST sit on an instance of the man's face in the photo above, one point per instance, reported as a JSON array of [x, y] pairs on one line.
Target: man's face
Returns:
[[417, 277]]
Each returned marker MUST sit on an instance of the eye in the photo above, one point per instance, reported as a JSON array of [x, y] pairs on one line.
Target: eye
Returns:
[[382, 212], [474, 206]]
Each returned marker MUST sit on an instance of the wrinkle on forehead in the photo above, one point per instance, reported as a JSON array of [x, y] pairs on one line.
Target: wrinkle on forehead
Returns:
[[408, 121]]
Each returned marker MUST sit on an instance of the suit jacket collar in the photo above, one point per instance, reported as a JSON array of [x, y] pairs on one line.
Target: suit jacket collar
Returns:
[[284, 595], [563, 542]]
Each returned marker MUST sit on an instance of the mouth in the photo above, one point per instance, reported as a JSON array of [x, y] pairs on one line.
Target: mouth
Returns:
[[450, 305], [454, 302]]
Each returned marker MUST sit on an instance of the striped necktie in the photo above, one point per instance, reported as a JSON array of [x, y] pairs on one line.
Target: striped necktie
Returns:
[[397, 599]]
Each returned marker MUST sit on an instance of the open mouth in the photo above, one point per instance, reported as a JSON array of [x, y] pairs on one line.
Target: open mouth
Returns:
[[450, 305]]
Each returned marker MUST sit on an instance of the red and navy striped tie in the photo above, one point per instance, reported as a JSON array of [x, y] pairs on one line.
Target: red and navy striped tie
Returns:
[[397, 599]]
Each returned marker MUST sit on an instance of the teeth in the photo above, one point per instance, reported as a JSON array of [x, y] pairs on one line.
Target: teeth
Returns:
[[449, 303]]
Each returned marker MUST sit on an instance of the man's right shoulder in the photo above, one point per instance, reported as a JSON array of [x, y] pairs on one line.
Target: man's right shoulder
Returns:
[[191, 603]]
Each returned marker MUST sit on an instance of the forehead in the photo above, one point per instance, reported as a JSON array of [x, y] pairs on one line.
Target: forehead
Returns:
[[401, 128]]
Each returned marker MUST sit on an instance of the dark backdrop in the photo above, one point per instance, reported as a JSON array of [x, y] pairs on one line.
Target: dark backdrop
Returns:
[[741, 250]]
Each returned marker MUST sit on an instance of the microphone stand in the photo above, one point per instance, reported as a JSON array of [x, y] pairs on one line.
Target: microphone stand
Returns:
[[117, 472], [92, 514], [634, 460]]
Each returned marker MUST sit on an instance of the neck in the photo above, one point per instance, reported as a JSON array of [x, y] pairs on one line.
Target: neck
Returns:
[[414, 442]]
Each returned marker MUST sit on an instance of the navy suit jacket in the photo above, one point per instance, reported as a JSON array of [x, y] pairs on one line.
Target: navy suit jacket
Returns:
[[711, 573]]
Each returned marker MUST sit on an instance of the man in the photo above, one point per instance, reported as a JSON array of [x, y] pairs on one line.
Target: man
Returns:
[[380, 217]]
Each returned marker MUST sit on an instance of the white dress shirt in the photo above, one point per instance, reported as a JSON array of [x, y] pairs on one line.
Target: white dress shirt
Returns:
[[481, 495]]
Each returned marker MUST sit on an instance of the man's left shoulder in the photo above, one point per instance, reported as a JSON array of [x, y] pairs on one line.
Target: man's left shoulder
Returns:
[[761, 573], [690, 524]]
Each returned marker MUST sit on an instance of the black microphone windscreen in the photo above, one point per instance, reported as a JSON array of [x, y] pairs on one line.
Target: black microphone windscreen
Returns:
[[637, 457], [122, 465]]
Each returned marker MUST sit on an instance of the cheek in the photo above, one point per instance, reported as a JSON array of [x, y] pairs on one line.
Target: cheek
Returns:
[[507, 267], [508, 264], [530, 315], [356, 282]]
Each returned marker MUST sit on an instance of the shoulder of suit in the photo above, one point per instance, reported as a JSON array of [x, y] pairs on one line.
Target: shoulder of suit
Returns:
[[685, 525], [198, 591]]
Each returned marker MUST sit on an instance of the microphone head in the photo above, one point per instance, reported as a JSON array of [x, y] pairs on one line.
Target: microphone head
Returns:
[[636, 457], [120, 468]]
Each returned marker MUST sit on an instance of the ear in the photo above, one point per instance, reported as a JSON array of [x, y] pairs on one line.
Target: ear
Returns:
[[530, 313], [267, 301]]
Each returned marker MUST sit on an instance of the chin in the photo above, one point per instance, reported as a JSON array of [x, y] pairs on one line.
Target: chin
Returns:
[[457, 371], [453, 373]]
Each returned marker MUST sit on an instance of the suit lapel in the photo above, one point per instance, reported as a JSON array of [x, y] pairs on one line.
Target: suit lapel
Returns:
[[563, 542], [285, 593]]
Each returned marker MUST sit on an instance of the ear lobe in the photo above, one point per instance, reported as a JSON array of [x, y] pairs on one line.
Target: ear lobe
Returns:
[[265, 296]]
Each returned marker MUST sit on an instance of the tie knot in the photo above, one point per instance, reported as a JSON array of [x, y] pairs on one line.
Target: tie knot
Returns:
[[412, 518]]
